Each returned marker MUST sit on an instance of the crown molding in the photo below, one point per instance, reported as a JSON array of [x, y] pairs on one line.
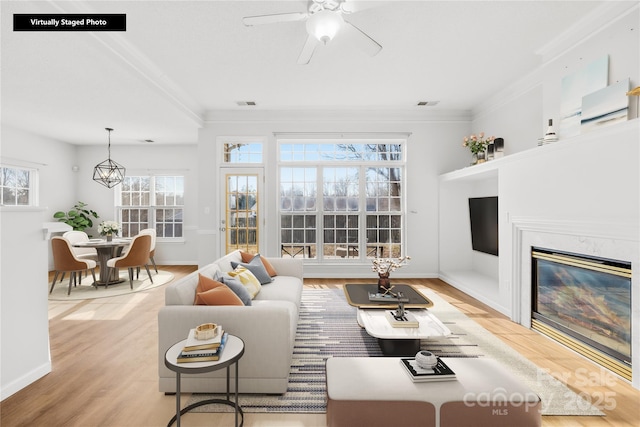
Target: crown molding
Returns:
[[139, 63], [510, 93], [599, 19], [342, 115], [587, 27]]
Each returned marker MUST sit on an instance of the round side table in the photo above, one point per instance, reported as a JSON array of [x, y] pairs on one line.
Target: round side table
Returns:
[[231, 354]]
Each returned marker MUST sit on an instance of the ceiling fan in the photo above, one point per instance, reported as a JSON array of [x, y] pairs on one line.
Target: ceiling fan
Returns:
[[324, 19]]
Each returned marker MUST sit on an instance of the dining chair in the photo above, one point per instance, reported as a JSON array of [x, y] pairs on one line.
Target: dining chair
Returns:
[[75, 236], [151, 232], [64, 260], [136, 256]]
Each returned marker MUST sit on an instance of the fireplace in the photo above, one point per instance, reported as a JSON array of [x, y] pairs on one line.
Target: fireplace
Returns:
[[585, 303]]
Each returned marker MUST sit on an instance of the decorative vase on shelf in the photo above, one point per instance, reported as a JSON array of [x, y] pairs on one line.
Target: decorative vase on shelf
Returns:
[[109, 237], [481, 157], [384, 284], [550, 135]]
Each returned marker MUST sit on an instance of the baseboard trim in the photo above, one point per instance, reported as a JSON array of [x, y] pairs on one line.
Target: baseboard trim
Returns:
[[20, 383]]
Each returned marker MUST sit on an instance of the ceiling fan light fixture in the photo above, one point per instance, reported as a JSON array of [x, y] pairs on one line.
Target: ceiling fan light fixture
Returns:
[[324, 25]]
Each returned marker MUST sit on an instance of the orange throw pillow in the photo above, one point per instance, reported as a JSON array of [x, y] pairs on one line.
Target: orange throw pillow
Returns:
[[222, 295], [213, 292], [247, 257], [205, 284]]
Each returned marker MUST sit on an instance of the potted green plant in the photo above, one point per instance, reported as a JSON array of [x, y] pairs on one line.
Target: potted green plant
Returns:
[[79, 218]]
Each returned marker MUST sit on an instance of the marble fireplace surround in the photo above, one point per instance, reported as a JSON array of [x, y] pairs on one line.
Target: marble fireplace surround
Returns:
[[615, 240]]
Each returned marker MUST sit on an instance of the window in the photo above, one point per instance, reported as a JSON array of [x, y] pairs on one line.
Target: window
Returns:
[[18, 186], [152, 202], [242, 151], [341, 199]]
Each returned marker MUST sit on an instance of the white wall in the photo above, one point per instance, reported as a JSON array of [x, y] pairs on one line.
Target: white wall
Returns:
[[518, 121], [619, 40], [561, 185], [145, 159], [434, 144], [23, 254], [591, 179]]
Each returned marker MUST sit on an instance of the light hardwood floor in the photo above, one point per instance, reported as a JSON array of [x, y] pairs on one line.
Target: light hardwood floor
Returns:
[[104, 357]]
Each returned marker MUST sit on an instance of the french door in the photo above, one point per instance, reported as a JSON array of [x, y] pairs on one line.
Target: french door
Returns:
[[242, 216]]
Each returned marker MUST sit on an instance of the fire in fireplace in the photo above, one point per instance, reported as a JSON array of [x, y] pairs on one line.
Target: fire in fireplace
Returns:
[[584, 302]]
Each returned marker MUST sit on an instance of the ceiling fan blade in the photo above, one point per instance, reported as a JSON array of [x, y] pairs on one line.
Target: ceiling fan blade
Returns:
[[353, 6], [271, 19], [361, 39], [307, 50]]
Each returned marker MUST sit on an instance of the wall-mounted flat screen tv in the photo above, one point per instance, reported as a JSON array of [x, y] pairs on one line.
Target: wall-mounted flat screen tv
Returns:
[[483, 212]]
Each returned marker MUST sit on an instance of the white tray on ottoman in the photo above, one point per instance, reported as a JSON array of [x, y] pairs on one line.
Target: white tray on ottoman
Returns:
[[377, 391]]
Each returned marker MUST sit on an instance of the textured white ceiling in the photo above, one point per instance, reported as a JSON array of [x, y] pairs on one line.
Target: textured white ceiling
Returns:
[[180, 60]]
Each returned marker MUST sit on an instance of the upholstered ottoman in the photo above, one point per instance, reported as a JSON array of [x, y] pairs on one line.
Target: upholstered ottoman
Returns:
[[376, 391]]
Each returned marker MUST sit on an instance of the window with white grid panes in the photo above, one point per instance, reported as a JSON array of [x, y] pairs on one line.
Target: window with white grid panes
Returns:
[[357, 212], [242, 152], [17, 186], [152, 202], [298, 193]]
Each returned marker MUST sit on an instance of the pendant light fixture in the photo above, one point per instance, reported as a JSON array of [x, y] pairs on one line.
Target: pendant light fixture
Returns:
[[109, 173]]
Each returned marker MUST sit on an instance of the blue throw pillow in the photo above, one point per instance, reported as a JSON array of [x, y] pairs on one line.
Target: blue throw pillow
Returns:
[[236, 286], [257, 268]]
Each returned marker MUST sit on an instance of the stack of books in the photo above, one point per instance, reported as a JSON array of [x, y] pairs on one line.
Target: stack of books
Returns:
[[203, 350], [440, 372], [405, 320]]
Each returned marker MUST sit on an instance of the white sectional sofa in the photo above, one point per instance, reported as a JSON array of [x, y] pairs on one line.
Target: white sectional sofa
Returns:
[[267, 327]]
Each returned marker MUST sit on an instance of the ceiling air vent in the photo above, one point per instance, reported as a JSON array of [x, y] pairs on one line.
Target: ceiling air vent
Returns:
[[427, 103], [246, 103]]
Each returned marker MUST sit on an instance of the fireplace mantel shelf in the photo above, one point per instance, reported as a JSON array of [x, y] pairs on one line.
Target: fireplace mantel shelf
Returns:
[[592, 139]]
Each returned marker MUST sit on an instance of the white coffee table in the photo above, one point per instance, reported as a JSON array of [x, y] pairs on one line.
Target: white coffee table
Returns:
[[401, 341]]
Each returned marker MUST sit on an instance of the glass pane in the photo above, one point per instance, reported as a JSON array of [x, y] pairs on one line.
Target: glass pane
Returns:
[[23, 197], [240, 152], [9, 177], [298, 221], [8, 196], [241, 209]]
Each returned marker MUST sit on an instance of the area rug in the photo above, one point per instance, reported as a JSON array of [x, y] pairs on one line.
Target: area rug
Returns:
[[86, 291], [328, 328]]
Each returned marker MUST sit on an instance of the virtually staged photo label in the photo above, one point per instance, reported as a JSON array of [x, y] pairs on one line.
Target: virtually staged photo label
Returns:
[[70, 22]]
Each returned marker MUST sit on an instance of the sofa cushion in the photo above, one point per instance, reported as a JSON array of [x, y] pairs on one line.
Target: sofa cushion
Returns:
[[220, 295], [257, 268], [283, 288], [237, 287], [246, 278], [247, 257], [225, 262], [183, 291]]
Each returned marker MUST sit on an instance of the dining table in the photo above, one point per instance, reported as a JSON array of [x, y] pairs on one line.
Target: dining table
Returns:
[[106, 250]]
